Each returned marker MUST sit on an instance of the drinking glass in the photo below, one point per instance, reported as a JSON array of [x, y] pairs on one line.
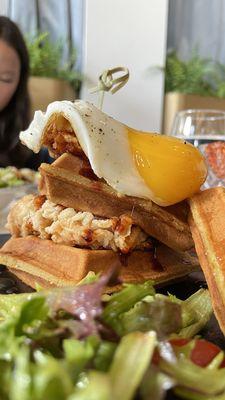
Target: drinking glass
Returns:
[[206, 130]]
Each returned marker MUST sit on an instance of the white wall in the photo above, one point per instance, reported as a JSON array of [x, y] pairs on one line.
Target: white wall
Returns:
[[130, 33], [4, 7]]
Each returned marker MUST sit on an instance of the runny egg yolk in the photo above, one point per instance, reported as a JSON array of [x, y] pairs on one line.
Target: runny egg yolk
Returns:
[[172, 169]]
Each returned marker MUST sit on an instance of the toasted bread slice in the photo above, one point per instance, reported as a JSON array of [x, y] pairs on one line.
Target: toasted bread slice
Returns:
[[41, 261], [207, 222], [62, 183]]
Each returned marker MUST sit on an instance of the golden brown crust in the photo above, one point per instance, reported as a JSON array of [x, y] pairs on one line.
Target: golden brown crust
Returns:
[[208, 230], [52, 264], [64, 185]]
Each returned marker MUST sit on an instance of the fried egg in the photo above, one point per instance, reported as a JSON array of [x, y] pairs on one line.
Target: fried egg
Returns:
[[135, 163]]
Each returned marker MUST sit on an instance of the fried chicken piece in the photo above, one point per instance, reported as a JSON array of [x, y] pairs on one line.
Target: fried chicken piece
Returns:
[[35, 215]]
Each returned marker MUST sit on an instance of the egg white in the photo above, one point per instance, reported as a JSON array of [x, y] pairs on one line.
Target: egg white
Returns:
[[103, 139]]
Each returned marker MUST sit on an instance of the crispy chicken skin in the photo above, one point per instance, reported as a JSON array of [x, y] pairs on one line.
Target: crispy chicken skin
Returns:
[[35, 215], [60, 138]]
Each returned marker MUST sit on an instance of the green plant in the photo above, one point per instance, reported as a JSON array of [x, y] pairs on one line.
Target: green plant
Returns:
[[46, 60], [201, 76]]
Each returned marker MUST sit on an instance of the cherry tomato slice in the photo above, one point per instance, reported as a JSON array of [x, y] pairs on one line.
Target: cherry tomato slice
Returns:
[[202, 354]]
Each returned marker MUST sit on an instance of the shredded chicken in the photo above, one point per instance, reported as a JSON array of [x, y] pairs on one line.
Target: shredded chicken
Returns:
[[34, 215]]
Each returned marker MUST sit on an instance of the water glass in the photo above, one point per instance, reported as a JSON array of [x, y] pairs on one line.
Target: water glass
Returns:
[[206, 130]]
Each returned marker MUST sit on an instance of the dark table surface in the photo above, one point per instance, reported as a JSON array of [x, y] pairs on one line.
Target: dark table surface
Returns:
[[3, 239], [181, 289]]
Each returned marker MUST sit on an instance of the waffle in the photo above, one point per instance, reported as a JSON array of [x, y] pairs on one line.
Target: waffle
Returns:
[[63, 182], [207, 227], [41, 261], [49, 247]]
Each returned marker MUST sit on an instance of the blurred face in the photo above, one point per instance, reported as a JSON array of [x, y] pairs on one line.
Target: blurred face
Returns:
[[9, 73]]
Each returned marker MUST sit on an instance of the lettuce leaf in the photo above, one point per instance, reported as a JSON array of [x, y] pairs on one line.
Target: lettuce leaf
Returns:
[[131, 360], [70, 344], [160, 315]]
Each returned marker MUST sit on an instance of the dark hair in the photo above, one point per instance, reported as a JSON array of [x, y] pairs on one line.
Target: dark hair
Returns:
[[15, 116]]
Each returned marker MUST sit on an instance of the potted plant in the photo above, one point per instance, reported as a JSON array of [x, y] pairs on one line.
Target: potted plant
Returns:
[[50, 79], [196, 83]]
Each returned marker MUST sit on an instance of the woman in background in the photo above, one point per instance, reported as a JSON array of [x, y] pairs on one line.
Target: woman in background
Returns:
[[14, 97]]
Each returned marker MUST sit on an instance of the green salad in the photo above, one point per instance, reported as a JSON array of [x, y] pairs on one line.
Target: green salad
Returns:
[[77, 344], [12, 176]]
